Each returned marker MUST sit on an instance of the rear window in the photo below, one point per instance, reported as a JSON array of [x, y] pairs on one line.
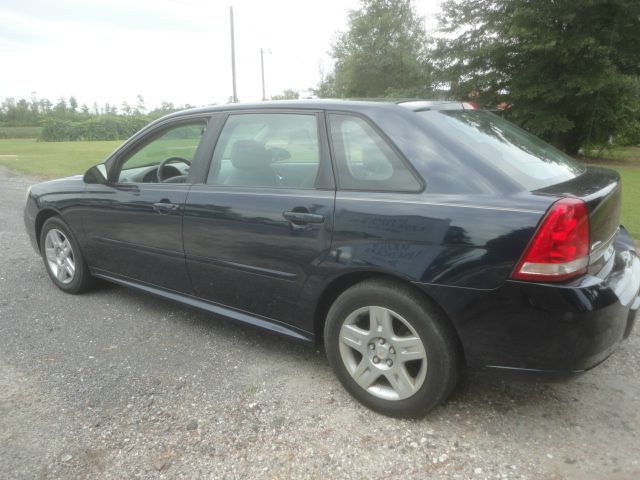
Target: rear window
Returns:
[[527, 160]]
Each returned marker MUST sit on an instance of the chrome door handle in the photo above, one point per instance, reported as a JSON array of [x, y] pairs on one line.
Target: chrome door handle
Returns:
[[303, 217], [165, 207]]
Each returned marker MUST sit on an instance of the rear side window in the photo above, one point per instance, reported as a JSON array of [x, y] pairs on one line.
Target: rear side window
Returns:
[[524, 158], [364, 160]]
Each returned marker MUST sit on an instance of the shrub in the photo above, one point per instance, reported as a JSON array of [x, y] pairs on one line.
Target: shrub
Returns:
[[110, 127], [20, 132]]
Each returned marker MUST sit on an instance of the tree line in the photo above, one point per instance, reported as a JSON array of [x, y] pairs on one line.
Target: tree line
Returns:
[[567, 71], [67, 120]]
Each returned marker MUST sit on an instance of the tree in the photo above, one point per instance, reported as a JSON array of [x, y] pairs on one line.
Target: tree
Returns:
[[45, 106], [73, 104], [288, 94], [126, 109], [629, 133], [61, 107], [16, 113], [383, 53], [140, 107], [163, 109], [34, 106], [109, 109], [566, 72]]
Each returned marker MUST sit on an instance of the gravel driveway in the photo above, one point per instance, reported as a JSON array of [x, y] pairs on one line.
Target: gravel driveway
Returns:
[[117, 384]]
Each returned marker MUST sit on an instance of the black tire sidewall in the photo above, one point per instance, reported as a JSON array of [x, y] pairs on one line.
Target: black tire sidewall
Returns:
[[82, 277], [435, 333]]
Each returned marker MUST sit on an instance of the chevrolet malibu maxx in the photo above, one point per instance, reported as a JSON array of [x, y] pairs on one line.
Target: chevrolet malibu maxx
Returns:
[[412, 239]]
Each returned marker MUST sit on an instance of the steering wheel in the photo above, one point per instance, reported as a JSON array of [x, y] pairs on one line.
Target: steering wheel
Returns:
[[167, 161]]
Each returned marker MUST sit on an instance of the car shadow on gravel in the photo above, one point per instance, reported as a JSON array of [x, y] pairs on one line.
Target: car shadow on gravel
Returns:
[[492, 391], [215, 325]]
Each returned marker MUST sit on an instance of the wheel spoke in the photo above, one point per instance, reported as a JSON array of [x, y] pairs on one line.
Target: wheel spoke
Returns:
[[66, 246], [354, 337], [69, 266], [61, 273], [381, 321], [364, 375], [59, 238], [50, 253], [409, 348], [401, 382]]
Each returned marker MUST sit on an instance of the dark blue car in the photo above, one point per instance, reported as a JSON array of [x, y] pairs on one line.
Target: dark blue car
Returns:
[[412, 238]]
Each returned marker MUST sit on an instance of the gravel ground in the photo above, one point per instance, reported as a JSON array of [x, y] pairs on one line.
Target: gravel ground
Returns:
[[117, 384]]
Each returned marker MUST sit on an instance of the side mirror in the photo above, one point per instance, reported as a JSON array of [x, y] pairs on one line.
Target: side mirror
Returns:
[[96, 174]]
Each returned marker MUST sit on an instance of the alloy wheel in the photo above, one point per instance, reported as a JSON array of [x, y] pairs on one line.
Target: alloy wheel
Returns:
[[60, 256], [383, 353]]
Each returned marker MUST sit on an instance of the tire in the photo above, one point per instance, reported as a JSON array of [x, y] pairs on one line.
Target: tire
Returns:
[[401, 348], [63, 259]]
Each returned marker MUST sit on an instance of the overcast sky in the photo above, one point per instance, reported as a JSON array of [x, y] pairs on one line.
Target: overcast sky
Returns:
[[172, 50]]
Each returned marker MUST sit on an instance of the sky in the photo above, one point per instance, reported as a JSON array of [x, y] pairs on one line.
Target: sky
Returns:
[[109, 51]]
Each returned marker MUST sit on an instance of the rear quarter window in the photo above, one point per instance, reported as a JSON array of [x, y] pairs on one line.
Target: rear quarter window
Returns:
[[365, 161], [524, 158]]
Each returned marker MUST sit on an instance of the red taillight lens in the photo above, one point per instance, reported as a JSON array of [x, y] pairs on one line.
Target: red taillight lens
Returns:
[[559, 249]]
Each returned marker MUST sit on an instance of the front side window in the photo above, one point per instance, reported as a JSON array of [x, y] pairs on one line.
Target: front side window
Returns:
[[166, 158], [277, 150], [364, 160]]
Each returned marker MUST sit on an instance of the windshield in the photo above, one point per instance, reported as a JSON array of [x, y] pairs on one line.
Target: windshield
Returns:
[[526, 159]]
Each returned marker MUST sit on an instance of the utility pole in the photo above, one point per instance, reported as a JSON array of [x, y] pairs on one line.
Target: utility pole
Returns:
[[233, 58], [264, 97]]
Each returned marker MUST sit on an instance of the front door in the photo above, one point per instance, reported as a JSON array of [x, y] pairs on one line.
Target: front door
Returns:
[[133, 224], [262, 221]]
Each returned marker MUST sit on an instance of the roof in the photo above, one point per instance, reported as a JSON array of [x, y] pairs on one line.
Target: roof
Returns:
[[361, 106], [424, 105]]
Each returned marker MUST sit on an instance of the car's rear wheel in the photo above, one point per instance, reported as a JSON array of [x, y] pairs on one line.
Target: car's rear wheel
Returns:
[[392, 349], [63, 258]]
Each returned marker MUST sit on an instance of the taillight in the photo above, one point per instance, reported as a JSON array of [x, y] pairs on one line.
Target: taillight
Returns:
[[559, 249]]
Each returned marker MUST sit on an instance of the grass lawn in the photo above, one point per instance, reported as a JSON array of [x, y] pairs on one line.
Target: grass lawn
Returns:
[[630, 198], [53, 159], [625, 160]]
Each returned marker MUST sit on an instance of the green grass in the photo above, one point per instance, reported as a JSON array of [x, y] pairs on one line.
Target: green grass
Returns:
[[630, 198], [626, 161], [20, 132], [53, 159], [615, 155]]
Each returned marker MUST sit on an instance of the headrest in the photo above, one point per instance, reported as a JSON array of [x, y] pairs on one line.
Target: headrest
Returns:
[[249, 155]]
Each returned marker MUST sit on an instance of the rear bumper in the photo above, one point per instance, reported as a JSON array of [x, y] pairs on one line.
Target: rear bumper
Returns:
[[545, 327]]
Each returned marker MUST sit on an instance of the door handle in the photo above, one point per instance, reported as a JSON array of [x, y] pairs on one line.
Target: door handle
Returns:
[[165, 207], [303, 217]]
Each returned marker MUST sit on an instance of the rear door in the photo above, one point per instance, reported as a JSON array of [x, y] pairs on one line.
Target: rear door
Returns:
[[263, 218]]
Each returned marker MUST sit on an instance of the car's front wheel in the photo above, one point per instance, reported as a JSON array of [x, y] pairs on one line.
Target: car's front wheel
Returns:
[[392, 349], [63, 258]]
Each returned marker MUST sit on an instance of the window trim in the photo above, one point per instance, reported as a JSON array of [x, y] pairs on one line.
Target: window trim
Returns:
[[385, 138], [147, 135], [325, 177]]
